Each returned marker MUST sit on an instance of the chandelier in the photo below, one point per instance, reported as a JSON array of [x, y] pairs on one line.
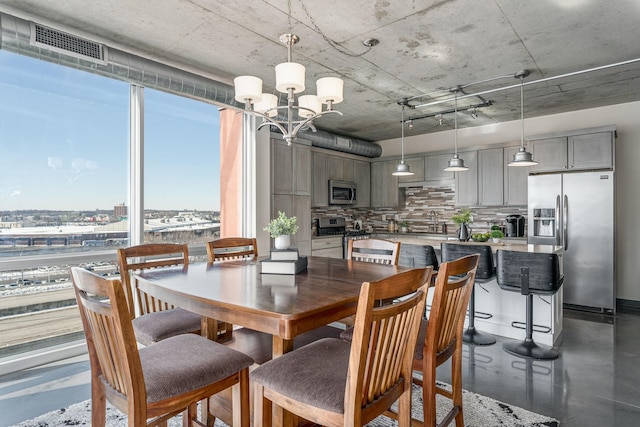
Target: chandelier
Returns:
[[290, 79]]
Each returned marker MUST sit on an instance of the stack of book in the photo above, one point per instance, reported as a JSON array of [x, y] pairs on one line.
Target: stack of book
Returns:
[[284, 261]]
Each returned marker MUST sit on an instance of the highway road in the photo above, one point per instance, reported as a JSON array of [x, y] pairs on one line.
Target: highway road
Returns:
[[26, 328]]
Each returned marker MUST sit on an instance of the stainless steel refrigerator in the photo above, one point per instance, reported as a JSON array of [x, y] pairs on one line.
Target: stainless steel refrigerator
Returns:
[[576, 210]]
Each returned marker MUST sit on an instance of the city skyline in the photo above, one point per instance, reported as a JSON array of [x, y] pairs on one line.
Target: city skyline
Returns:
[[64, 142]]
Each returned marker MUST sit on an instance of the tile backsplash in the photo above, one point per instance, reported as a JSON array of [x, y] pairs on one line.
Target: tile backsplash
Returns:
[[426, 209]]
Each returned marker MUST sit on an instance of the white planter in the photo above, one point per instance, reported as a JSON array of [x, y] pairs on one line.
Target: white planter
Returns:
[[283, 242]]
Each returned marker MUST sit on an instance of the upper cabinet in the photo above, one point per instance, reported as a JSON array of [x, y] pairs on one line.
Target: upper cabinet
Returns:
[[434, 168], [291, 168], [467, 181], [384, 186], [416, 165], [333, 167], [591, 150], [490, 177], [515, 180], [362, 176], [489, 181]]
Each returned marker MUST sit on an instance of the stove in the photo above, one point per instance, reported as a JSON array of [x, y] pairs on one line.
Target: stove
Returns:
[[338, 227]]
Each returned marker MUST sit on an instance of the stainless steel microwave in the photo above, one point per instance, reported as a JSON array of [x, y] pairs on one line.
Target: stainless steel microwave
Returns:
[[342, 192]]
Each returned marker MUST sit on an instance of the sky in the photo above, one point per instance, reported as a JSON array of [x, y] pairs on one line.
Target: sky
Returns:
[[64, 142]]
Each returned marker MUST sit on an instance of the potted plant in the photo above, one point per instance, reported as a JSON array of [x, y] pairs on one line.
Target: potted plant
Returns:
[[496, 235], [281, 229], [403, 225], [463, 219]]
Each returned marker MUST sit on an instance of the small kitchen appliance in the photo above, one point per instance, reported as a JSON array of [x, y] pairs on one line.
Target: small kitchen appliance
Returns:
[[514, 226]]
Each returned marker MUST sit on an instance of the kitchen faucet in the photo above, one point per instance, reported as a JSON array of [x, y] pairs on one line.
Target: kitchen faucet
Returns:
[[433, 217]]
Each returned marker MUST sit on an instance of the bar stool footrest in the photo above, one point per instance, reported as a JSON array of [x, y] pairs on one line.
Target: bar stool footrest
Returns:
[[536, 328], [483, 316]]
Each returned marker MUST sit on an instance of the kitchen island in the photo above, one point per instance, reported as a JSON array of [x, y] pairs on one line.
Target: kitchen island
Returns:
[[496, 309]]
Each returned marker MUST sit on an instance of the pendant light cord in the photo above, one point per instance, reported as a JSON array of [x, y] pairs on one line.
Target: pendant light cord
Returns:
[[522, 111], [455, 121], [402, 135]]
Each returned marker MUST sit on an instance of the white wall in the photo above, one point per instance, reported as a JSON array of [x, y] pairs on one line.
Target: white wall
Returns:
[[624, 116]]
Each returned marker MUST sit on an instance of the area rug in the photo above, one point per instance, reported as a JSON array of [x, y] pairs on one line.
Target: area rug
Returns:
[[479, 411]]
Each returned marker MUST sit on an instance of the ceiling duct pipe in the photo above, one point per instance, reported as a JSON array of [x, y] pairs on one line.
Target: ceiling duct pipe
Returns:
[[18, 36], [324, 139]]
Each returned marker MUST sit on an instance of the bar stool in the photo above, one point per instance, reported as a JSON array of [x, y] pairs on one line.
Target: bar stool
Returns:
[[484, 273], [530, 274], [417, 256]]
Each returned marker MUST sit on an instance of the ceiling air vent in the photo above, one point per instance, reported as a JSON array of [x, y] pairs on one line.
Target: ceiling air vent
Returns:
[[67, 44]]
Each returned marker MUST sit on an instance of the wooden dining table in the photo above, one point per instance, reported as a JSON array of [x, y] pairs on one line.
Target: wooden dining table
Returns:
[[283, 306]]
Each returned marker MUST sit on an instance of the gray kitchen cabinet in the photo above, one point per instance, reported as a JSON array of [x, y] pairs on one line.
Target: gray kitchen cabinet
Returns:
[[550, 153], [362, 176], [340, 168], [320, 188], [590, 151], [515, 180], [490, 177], [300, 207], [416, 165], [291, 168], [434, 168], [291, 187], [574, 152], [384, 186], [330, 247], [467, 181]]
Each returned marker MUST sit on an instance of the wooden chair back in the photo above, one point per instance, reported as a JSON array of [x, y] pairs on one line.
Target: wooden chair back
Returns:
[[111, 342], [383, 344], [453, 287], [374, 250], [231, 248], [146, 256]]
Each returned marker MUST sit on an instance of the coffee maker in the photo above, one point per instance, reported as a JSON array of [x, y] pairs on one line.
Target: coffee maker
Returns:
[[514, 226]]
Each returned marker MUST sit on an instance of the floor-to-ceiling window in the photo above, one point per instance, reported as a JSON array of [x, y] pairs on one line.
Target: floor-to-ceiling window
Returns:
[[181, 169], [64, 154]]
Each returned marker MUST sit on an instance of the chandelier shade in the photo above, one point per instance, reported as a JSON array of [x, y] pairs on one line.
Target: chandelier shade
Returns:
[[290, 79], [330, 90], [290, 75], [248, 89], [310, 105]]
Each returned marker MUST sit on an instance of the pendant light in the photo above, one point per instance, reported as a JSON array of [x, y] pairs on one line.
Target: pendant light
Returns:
[[522, 157], [456, 164], [402, 169]]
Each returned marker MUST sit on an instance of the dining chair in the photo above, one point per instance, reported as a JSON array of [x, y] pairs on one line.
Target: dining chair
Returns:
[[154, 383], [374, 250], [153, 319], [227, 249], [332, 382], [230, 248], [440, 338]]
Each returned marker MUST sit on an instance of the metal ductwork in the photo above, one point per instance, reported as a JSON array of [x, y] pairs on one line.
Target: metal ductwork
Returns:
[[23, 37], [16, 36], [324, 139]]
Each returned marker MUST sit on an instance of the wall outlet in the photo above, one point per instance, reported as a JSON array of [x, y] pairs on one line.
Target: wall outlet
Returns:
[[384, 217], [396, 217]]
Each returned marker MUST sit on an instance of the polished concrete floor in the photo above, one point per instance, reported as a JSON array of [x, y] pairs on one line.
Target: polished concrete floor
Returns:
[[594, 382]]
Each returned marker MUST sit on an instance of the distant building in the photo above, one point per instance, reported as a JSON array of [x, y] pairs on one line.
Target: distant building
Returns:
[[120, 211]]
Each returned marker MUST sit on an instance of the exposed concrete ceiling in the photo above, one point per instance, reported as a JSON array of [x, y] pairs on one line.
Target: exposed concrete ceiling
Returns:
[[426, 47]]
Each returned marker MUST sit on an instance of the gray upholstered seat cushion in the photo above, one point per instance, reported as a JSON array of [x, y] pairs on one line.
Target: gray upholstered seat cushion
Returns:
[[153, 327], [315, 374], [187, 362]]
